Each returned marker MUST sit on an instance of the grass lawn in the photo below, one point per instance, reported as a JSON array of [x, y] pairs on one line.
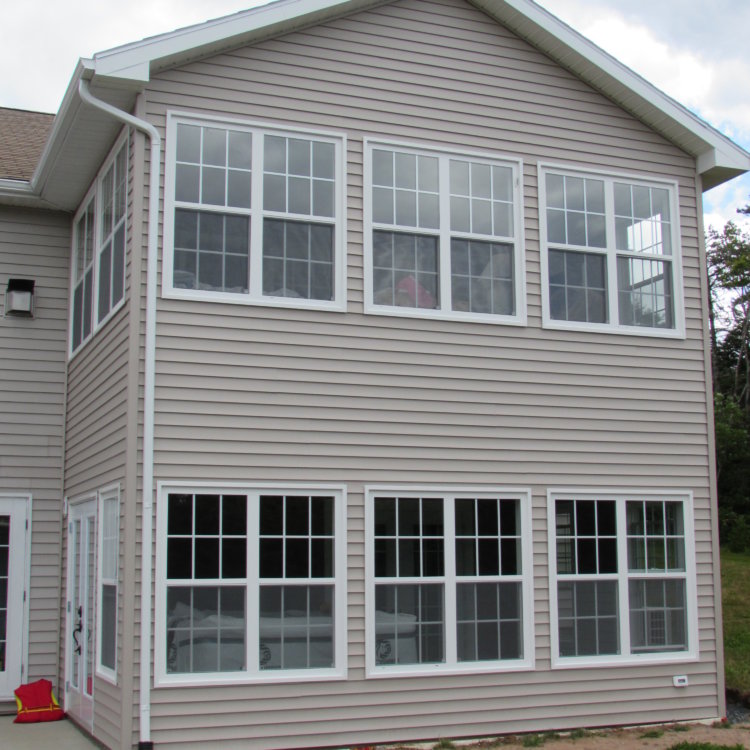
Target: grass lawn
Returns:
[[735, 584]]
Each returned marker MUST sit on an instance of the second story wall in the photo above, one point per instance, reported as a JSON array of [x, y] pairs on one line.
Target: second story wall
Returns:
[[287, 392]]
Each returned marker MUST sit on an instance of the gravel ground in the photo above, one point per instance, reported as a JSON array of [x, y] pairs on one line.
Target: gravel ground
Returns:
[[737, 713], [662, 737]]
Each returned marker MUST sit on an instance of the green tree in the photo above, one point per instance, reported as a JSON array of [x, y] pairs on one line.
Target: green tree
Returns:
[[728, 254], [729, 284]]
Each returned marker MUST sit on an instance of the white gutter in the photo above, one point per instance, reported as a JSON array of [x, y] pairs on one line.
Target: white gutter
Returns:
[[148, 403]]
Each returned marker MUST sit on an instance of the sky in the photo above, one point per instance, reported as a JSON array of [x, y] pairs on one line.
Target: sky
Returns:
[[694, 50]]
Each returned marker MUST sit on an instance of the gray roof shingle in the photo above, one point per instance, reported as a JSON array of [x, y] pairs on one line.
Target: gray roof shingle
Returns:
[[22, 138]]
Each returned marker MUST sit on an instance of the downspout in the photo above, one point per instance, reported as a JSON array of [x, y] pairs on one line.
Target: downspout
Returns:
[[145, 742]]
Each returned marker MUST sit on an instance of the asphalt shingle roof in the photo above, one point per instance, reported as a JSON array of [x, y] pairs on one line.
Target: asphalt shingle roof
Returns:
[[22, 138]]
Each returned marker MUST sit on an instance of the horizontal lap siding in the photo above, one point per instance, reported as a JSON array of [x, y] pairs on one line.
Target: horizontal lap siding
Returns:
[[95, 452], [259, 394], [35, 245]]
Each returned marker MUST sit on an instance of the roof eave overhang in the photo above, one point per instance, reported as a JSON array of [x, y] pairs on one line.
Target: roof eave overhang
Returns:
[[140, 60], [78, 140], [20, 193], [718, 159], [117, 75]]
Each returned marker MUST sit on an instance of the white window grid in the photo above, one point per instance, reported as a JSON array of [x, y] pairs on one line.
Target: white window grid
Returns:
[[439, 232], [449, 581], [623, 577], [256, 211], [108, 557], [659, 247], [99, 238], [251, 586]]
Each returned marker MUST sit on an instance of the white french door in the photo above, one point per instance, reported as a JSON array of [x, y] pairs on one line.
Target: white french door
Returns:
[[14, 536], [80, 630]]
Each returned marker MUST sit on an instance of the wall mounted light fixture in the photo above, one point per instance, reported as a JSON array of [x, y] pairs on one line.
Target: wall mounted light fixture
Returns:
[[19, 298]]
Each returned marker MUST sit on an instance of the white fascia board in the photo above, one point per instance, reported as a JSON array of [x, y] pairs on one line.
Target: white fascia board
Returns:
[[20, 193], [613, 78], [134, 60], [60, 126]]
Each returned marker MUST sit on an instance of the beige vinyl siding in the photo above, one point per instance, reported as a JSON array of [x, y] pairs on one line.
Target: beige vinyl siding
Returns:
[[248, 393], [35, 245], [97, 419], [95, 458]]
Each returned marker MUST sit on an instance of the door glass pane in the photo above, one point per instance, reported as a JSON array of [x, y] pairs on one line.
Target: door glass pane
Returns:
[[77, 645], [88, 685]]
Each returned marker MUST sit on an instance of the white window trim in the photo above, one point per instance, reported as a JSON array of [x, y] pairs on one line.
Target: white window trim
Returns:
[[338, 672], [678, 332], [527, 583], [254, 296], [106, 494], [444, 233], [95, 192], [26, 500], [622, 576]]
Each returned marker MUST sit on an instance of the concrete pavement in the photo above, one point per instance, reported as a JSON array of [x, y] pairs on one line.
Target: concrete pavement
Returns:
[[54, 735]]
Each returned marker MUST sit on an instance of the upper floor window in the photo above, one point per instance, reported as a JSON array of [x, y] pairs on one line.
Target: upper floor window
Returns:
[[622, 578], [448, 581], [99, 249], [255, 215], [610, 254], [442, 235]]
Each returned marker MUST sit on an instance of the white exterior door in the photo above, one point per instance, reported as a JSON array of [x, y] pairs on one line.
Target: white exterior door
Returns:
[[80, 630], [14, 536]]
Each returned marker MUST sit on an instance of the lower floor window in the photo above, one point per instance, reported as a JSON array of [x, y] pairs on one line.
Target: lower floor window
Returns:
[[448, 580], [252, 583], [622, 574]]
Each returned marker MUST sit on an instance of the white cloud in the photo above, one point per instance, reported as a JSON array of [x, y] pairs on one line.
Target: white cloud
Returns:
[[42, 40], [694, 50]]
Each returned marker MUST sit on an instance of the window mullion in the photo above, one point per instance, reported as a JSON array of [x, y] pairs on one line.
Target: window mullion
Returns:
[[445, 232], [610, 236], [252, 597], [256, 218], [95, 250], [623, 586], [449, 590]]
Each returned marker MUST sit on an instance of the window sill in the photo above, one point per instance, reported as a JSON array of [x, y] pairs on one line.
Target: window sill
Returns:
[[106, 675], [426, 670], [205, 679], [587, 662], [453, 315], [247, 300], [566, 325]]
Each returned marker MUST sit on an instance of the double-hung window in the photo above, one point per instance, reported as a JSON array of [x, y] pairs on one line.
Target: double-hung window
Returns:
[[109, 536], [448, 581], [610, 253], [622, 575], [99, 249], [251, 584], [442, 235], [254, 214]]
